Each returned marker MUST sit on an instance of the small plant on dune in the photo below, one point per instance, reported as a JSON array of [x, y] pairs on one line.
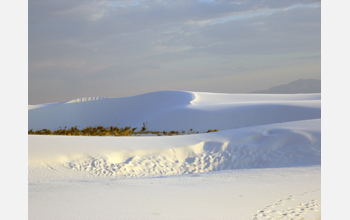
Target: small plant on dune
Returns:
[[38, 132], [127, 132], [46, 131], [100, 133], [144, 127]]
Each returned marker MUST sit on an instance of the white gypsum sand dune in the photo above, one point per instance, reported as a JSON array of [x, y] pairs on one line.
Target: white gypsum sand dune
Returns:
[[177, 110], [275, 145], [266, 158]]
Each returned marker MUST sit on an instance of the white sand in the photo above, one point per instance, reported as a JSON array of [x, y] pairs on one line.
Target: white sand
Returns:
[[235, 194], [264, 163]]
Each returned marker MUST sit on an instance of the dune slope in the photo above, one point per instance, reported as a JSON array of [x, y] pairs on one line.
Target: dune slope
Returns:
[[256, 131], [263, 163], [177, 110], [275, 145]]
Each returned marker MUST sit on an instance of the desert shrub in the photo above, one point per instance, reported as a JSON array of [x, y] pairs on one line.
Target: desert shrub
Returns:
[[127, 132], [144, 126], [100, 133], [38, 132]]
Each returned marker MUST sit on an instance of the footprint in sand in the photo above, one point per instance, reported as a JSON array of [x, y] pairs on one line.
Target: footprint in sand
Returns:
[[278, 209]]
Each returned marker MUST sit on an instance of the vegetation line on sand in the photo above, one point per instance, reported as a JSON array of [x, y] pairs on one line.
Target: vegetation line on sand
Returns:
[[110, 131]]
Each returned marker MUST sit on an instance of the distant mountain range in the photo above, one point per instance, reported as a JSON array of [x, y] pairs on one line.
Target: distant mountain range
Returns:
[[298, 86]]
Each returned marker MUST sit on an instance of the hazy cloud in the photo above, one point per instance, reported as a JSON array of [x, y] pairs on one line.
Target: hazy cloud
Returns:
[[157, 45]]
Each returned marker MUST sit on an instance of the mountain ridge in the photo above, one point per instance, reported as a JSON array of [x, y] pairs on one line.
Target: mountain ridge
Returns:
[[294, 87]]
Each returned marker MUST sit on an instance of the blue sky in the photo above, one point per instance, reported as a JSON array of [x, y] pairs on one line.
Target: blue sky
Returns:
[[122, 48]]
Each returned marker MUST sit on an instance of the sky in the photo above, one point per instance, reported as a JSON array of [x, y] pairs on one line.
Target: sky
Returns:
[[86, 48]]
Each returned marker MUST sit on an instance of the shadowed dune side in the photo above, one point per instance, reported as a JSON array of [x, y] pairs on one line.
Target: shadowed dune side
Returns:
[[129, 111], [232, 115], [177, 110]]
